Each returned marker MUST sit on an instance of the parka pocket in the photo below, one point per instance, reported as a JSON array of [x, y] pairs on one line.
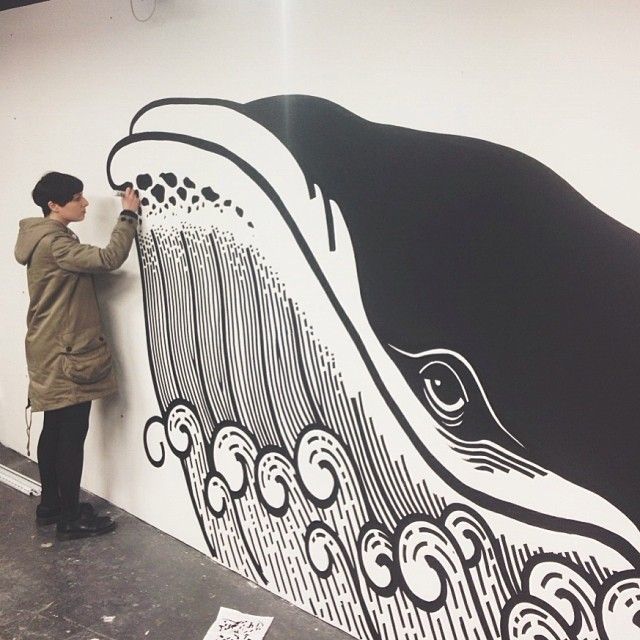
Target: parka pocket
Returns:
[[86, 358]]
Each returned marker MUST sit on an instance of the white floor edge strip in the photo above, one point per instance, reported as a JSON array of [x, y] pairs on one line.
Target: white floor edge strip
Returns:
[[19, 481]]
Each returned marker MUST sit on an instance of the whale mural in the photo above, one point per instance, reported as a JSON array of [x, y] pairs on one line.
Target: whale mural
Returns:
[[399, 369]]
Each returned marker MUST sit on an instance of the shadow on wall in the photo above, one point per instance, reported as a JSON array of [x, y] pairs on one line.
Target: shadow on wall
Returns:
[[408, 359], [114, 286]]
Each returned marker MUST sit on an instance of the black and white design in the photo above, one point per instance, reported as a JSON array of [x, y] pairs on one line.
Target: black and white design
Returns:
[[234, 625], [397, 368]]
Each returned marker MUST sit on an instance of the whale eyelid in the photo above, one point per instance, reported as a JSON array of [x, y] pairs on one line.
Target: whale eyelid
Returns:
[[467, 364]]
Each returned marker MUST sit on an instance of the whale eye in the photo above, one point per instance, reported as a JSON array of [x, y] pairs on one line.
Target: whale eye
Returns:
[[445, 392]]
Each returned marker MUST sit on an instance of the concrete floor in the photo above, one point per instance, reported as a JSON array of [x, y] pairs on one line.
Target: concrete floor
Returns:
[[136, 583]]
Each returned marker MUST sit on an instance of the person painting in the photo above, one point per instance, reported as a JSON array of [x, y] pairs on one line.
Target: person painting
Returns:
[[68, 358]]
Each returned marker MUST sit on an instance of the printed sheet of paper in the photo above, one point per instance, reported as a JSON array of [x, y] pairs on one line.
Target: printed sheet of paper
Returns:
[[235, 625]]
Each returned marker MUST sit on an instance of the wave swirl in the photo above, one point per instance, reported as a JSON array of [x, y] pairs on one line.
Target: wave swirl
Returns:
[[426, 560], [182, 429], [618, 606], [274, 477], [234, 451], [529, 620], [376, 559], [218, 496], [319, 460]]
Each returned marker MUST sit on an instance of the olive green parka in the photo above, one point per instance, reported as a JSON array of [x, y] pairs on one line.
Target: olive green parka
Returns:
[[68, 358]]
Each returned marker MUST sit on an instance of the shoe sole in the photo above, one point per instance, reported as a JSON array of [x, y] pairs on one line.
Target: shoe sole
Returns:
[[42, 521], [77, 535]]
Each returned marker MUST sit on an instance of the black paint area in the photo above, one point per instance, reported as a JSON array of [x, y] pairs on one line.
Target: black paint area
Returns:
[[227, 203], [195, 199], [170, 179], [210, 194], [144, 181], [158, 192], [189, 183], [172, 200], [182, 193], [144, 202], [239, 211], [470, 246]]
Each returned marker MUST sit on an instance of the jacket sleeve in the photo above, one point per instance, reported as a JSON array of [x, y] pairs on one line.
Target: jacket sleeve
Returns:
[[71, 255]]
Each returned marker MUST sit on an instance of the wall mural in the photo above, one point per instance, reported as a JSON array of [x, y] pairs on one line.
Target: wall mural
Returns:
[[399, 369]]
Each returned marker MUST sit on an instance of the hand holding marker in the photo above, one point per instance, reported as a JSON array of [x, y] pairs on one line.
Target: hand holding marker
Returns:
[[130, 199]]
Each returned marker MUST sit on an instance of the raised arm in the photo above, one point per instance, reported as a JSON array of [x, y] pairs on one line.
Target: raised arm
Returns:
[[71, 255]]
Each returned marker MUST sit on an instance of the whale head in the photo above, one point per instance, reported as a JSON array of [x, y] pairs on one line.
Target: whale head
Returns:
[[392, 353]]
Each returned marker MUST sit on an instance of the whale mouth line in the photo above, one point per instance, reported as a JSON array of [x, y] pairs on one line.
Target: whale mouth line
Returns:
[[483, 499]]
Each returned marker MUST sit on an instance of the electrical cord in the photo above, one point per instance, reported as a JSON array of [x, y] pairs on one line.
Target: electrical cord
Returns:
[[133, 11]]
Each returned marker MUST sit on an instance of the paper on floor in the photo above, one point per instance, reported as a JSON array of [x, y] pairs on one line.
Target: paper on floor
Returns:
[[235, 625]]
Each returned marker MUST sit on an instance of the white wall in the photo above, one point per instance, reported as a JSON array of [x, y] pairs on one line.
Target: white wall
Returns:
[[556, 80]]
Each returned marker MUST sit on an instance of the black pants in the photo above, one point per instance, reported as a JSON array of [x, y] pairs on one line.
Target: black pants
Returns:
[[61, 455]]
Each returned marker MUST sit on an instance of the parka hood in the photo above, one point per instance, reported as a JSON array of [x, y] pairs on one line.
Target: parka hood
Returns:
[[31, 231]]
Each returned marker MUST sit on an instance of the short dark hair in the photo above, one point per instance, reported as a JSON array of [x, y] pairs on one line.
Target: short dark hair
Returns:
[[55, 187]]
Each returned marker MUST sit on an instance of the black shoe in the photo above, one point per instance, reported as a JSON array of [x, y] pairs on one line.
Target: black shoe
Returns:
[[84, 527], [51, 515]]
